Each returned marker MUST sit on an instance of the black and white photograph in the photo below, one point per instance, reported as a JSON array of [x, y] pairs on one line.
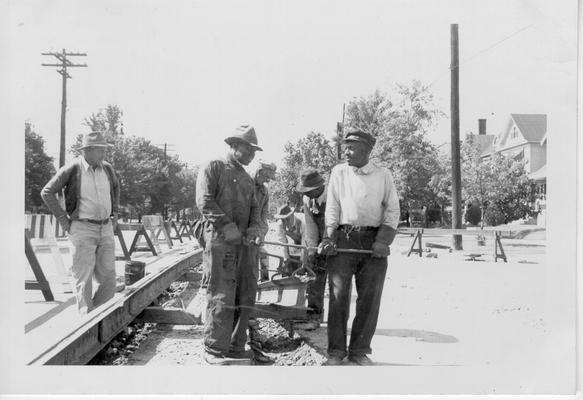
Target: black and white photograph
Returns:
[[291, 198]]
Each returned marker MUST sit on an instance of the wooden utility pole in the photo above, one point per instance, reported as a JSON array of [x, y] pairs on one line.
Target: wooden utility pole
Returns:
[[340, 133], [64, 64], [456, 181]]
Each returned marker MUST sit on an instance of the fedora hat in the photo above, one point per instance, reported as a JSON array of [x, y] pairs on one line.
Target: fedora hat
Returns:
[[356, 135], [244, 134], [309, 180], [269, 168], [94, 139], [283, 212]]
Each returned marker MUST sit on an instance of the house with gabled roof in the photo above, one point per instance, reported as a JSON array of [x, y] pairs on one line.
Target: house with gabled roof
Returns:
[[524, 138]]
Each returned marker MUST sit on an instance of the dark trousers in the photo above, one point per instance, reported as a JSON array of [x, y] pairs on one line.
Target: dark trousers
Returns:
[[230, 273], [316, 289], [369, 274]]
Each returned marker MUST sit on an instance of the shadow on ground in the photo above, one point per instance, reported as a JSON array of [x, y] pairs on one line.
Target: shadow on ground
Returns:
[[422, 336]]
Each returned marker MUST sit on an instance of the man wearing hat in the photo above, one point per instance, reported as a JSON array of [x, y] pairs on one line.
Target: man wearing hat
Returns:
[[91, 191], [225, 196], [362, 212], [313, 187], [290, 229], [264, 173]]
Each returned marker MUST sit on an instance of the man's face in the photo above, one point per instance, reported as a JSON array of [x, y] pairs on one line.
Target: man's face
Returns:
[[262, 176], [315, 193], [356, 153], [243, 153], [94, 155]]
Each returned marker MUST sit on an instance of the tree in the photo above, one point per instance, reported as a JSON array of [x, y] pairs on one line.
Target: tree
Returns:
[[400, 124], [150, 180], [498, 185], [38, 167], [108, 119], [312, 151]]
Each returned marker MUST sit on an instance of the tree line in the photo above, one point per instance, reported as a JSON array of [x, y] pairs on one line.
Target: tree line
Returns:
[[496, 190]]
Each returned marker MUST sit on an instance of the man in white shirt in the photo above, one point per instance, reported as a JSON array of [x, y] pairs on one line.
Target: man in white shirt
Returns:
[[91, 191], [362, 212]]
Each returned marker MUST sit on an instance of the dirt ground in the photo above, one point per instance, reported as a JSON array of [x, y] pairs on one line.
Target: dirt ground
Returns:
[[475, 326]]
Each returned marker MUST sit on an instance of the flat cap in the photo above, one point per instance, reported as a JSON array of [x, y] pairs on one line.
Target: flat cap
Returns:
[[358, 135]]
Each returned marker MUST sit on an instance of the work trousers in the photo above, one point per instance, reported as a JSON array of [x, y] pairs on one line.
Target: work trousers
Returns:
[[231, 277], [316, 289], [93, 259], [369, 275]]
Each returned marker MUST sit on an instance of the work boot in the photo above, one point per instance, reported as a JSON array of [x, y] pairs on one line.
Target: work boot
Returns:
[[309, 325], [333, 361], [360, 360], [240, 354], [214, 359]]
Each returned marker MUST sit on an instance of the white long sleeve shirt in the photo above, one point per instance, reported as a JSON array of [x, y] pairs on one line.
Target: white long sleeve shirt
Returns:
[[361, 196]]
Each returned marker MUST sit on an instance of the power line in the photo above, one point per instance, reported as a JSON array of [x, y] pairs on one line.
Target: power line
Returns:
[[481, 52], [64, 64]]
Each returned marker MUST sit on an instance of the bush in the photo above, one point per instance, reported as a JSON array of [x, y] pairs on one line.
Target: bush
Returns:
[[494, 216], [473, 213]]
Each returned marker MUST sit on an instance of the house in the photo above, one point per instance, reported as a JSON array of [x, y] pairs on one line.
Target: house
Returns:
[[523, 138]]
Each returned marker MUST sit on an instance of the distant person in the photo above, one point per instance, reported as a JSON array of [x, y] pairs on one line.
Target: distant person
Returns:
[[290, 229], [313, 187], [91, 191], [264, 173], [225, 196], [362, 212]]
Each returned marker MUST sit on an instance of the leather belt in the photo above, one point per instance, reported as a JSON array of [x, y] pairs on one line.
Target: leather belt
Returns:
[[95, 221], [355, 228]]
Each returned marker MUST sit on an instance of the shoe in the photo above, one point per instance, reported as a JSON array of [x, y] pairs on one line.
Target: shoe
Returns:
[[213, 359], [240, 354], [261, 358], [360, 360], [308, 325], [334, 360]]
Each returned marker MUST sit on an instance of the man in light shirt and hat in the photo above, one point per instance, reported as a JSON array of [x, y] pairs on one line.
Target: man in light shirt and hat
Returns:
[[362, 212], [91, 191], [225, 196], [264, 172], [290, 229]]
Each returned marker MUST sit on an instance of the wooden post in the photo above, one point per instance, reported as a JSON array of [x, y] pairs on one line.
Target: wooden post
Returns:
[[455, 140]]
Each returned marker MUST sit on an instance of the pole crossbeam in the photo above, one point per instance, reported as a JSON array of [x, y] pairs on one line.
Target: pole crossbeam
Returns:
[[64, 64]]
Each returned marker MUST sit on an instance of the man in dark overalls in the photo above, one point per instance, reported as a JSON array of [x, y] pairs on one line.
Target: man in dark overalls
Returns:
[[225, 196], [312, 186]]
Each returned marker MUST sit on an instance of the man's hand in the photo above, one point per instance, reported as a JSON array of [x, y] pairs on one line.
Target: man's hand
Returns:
[[253, 236], [327, 247], [65, 223], [380, 250], [385, 237], [232, 234]]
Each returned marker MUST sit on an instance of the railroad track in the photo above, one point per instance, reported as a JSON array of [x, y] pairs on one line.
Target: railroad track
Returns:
[[78, 343]]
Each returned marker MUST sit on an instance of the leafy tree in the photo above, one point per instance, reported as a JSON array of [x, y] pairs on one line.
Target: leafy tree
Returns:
[[150, 180], [312, 151], [38, 167], [400, 123], [499, 186]]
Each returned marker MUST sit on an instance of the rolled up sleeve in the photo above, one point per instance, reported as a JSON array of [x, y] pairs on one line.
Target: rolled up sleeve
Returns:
[[391, 203]]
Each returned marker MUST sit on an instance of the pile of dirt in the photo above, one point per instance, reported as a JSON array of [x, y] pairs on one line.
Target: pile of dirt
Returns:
[[278, 341]]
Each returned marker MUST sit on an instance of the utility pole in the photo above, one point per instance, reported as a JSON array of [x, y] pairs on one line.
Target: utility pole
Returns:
[[165, 171], [456, 181], [64, 64], [340, 133]]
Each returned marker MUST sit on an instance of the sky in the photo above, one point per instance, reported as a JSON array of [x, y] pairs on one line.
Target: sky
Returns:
[[186, 73]]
